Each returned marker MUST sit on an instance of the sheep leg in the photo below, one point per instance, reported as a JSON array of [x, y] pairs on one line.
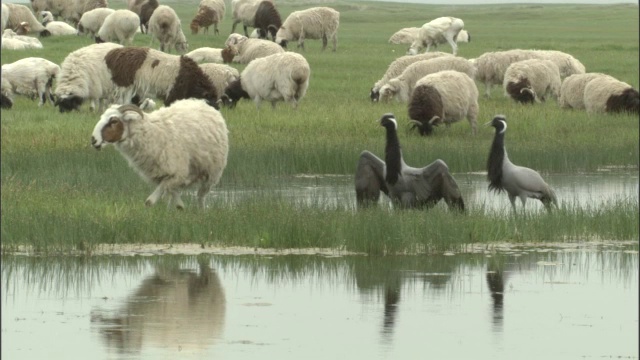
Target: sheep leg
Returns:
[[233, 26], [245, 31], [324, 41], [334, 39], [155, 195], [257, 100], [177, 200], [202, 193], [453, 44]]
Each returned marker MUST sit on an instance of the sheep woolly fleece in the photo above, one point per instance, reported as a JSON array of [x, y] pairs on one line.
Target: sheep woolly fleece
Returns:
[[607, 94], [314, 23], [247, 49], [534, 75], [120, 26], [30, 76], [572, 90], [165, 26], [174, 147]]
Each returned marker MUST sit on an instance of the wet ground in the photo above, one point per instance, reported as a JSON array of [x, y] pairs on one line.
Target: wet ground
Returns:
[[555, 301]]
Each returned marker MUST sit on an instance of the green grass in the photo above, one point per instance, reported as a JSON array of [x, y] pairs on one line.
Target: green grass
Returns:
[[58, 193]]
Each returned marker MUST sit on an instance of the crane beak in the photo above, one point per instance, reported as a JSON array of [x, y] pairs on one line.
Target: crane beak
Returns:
[[488, 123]]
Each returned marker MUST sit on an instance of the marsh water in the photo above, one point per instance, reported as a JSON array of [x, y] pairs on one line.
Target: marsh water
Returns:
[[547, 302]]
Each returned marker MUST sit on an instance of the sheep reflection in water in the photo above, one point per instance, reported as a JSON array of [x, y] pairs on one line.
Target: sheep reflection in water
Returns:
[[172, 309]]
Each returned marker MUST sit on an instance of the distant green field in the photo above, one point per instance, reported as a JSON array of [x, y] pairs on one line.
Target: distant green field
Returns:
[[58, 192]]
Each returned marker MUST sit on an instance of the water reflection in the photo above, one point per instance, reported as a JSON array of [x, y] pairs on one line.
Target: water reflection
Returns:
[[496, 280]]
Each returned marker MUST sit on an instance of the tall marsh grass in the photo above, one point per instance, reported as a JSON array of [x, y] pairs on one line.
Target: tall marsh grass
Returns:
[[58, 193]]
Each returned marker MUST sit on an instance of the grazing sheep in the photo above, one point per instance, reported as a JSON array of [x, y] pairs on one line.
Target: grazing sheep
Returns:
[[221, 75], [606, 94], [5, 17], [13, 41], [206, 55], [120, 26], [19, 14], [404, 36], [267, 21], [174, 147], [204, 18], [146, 10], [148, 73], [165, 26], [572, 90], [217, 5], [401, 87], [276, 77], [56, 28], [443, 97], [314, 23], [31, 76], [244, 11], [91, 21], [84, 76], [437, 31], [243, 50], [529, 81], [396, 68]]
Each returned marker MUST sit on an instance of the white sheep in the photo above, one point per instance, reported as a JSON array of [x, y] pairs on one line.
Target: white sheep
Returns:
[[401, 87], [32, 77], [56, 28], [84, 76], [148, 72], [206, 55], [463, 37], [404, 36], [5, 17], [396, 68], [606, 94], [174, 147], [283, 76], [529, 81], [572, 90], [314, 23], [221, 75], [567, 64], [165, 26], [13, 41], [244, 11], [244, 50], [91, 21], [437, 31], [120, 26], [19, 14], [443, 97]]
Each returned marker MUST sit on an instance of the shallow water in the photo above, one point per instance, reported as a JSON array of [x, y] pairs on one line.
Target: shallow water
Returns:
[[545, 302], [332, 191]]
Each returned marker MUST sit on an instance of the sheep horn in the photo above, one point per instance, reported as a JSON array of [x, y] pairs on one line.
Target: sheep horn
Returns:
[[434, 120], [130, 107]]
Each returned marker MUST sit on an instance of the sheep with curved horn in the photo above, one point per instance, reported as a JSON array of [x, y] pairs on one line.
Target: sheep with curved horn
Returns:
[[406, 186], [517, 181]]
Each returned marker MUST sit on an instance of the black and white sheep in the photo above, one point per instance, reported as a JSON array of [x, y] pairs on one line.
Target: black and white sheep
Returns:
[[56, 28], [13, 41], [148, 73], [91, 21], [530, 81], [19, 14], [146, 10], [244, 11], [273, 78], [572, 90], [165, 26], [606, 94], [84, 76], [314, 23], [175, 147], [267, 21], [120, 26], [204, 18], [401, 87], [32, 77], [435, 32], [396, 68], [206, 55], [443, 97], [241, 49]]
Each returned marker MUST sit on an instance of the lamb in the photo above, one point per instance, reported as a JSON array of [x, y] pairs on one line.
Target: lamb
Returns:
[[84, 76], [148, 72], [204, 18], [396, 68], [56, 28], [19, 14], [314, 23], [443, 97], [606, 94], [267, 21], [244, 11], [146, 10], [404, 36], [437, 31], [244, 50], [30, 76], [165, 26], [206, 55], [530, 80], [572, 90], [174, 147], [221, 75], [400, 87], [276, 77], [91, 21], [120, 26], [13, 41]]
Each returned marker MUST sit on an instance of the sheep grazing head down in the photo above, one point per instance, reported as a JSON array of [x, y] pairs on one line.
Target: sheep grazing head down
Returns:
[[68, 102], [113, 125], [374, 95]]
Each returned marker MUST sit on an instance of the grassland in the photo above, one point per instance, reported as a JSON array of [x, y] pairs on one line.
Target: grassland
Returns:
[[60, 194]]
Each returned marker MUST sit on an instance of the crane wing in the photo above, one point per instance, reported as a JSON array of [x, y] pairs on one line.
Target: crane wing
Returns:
[[369, 179]]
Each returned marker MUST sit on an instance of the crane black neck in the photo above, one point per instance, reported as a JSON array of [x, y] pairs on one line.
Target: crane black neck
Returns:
[[393, 155], [497, 155]]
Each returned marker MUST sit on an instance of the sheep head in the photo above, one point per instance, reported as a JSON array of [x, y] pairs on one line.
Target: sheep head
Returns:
[[233, 93], [228, 53], [195, 26], [426, 109], [387, 92], [282, 36], [113, 125], [374, 95], [23, 28], [68, 102]]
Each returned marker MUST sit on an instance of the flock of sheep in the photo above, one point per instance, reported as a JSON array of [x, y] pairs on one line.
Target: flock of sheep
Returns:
[[438, 87]]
